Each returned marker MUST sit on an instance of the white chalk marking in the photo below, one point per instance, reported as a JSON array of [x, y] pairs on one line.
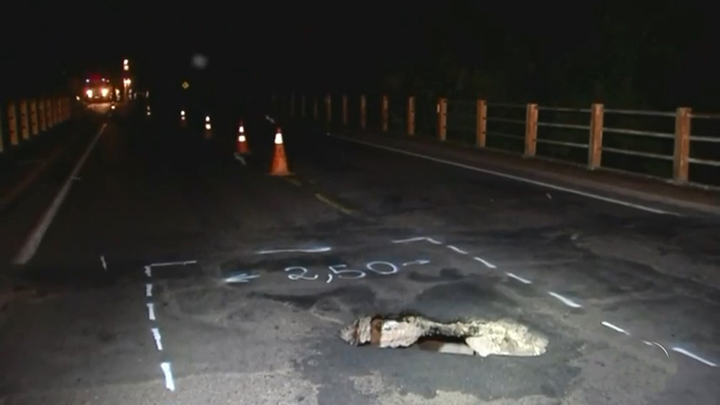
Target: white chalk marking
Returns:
[[315, 250], [240, 159], [104, 264], [420, 262], [658, 345], [169, 382], [241, 278], [148, 271], [151, 311], [433, 241], [330, 277], [269, 119], [694, 356], [565, 301], [158, 338], [485, 262], [615, 328], [148, 290], [185, 263], [36, 236], [462, 252], [513, 177], [409, 240], [518, 278]]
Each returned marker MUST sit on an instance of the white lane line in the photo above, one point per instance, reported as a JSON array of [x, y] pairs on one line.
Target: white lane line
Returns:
[[516, 178], [36, 236], [658, 345], [315, 250], [485, 262], [158, 338], [169, 382], [518, 278], [148, 290], [615, 328], [420, 262], [148, 271], [409, 240], [694, 356], [185, 263], [457, 249], [104, 263], [151, 311], [566, 301]]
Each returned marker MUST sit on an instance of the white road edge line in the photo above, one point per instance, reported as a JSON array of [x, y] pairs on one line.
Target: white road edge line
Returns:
[[485, 262], [513, 177], [566, 301], [33, 242], [169, 382], [694, 356], [615, 328]]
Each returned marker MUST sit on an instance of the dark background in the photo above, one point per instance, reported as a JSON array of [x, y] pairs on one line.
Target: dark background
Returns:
[[657, 55]]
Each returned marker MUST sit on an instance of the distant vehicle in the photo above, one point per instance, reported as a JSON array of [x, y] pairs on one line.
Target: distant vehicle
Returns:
[[98, 90]]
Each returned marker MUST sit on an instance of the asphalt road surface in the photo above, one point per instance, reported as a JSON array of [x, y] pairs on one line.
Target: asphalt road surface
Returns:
[[173, 273]]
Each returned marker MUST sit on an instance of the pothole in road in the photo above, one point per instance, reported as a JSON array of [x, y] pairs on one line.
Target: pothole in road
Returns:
[[473, 337]]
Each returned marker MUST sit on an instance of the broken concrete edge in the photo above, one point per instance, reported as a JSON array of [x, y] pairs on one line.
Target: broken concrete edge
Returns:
[[501, 337]]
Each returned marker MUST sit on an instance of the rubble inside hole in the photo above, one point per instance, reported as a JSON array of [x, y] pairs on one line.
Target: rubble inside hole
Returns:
[[479, 337]]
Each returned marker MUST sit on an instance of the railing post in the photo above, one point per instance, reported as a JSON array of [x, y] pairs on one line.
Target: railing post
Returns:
[[48, 113], [41, 115], [411, 116], [315, 108], [682, 145], [531, 120], [385, 113], [363, 112], [24, 120], [345, 109], [12, 124], [481, 124], [596, 135], [442, 118], [328, 108]]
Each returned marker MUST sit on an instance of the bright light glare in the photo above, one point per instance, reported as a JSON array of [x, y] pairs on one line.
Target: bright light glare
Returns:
[[104, 92], [125, 62], [112, 106], [182, 112], [241, 129], [207, 118], [241, 138], [207, 126], [89, 93], [278, 139]]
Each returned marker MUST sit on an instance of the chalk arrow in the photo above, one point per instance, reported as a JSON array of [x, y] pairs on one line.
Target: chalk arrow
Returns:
[[420, 262], [241, 278]]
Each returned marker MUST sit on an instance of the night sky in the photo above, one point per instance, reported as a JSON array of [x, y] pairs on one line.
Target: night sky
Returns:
[[659, 54]]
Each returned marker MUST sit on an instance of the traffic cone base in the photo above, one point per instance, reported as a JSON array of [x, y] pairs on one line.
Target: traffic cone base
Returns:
[[279, 163]]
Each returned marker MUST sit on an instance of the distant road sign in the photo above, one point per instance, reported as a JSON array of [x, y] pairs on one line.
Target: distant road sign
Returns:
[[185, 85]]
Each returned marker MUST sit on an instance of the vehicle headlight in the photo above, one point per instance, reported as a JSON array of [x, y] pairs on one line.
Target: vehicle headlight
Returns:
[[104, 92], [89, 93]]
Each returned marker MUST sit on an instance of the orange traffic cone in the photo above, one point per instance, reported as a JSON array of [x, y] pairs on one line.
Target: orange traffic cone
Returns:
[[183, 120], [279, 162], [242, 146], [208, 128]]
